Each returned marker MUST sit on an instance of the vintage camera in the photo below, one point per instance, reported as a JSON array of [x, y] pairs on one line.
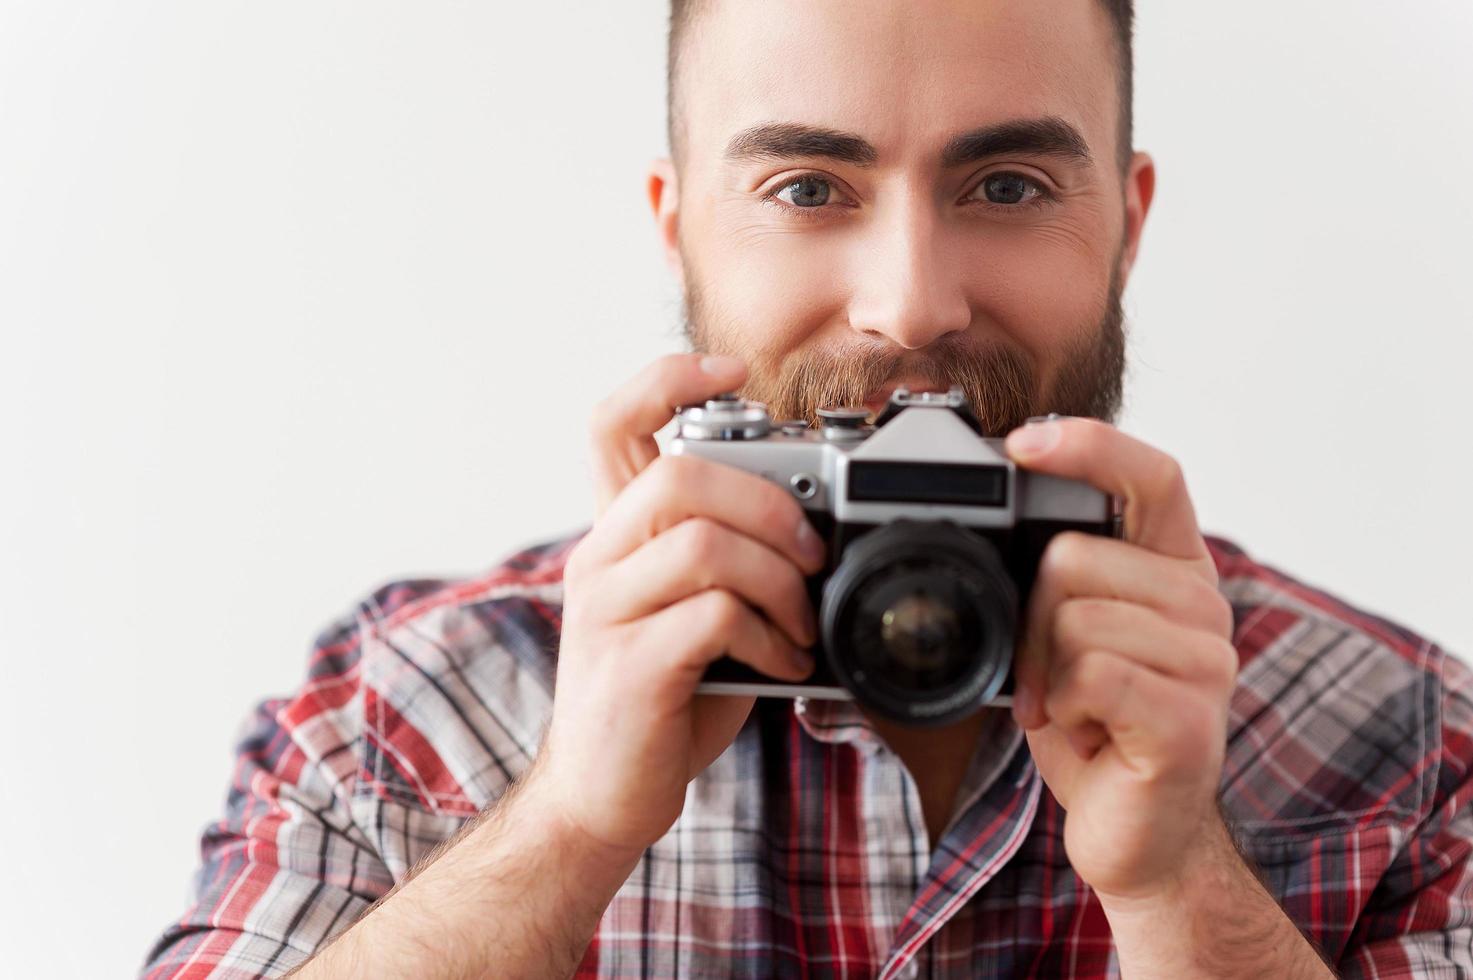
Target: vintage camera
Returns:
[[934, 538]]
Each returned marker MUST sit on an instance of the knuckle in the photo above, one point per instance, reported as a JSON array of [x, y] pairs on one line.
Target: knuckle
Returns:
[[1208, 566], [670, 475], [725, 612], [603, 424], [1207, 606], [1073, 621], [700, 538], [664, 468], [1225, 664], [1065, 554], [573, 565], [1165, 474], [1225, 620], [1095, 671]]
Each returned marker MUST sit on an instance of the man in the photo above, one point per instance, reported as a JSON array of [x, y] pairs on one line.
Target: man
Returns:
[[1208, 770]]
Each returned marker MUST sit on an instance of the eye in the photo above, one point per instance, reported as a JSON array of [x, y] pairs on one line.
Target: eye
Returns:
[[1010, 189], [809, 191]]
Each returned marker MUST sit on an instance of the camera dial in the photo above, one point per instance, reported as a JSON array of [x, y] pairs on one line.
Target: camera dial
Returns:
[[842, 423], [723, 418]]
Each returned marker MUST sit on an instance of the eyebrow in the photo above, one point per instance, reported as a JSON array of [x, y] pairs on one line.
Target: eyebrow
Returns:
[[1044, 136]]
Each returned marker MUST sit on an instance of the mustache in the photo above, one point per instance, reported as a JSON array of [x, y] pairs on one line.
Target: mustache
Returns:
[[997, 377]]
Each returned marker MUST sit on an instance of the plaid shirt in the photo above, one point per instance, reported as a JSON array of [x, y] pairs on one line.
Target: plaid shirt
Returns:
[[802, 850]]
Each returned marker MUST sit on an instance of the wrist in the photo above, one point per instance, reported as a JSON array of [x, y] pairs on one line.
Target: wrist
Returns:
[[1213, 918], [1210, 865], [536, 813]]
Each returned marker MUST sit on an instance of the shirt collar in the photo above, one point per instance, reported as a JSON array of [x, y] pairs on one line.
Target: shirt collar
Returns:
[[836, 723]]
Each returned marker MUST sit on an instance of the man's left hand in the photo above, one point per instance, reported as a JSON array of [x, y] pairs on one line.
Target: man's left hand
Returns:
[[1125, 668]]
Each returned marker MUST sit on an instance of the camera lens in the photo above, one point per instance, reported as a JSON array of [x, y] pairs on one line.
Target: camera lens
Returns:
[[920, 632], [918, 621]]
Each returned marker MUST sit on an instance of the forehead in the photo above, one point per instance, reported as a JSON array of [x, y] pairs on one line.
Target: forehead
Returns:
[[901, 73]]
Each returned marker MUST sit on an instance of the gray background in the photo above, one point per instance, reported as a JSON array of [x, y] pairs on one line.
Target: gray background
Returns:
[[298, 298]]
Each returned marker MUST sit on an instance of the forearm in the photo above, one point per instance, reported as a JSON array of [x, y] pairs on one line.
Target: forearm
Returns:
[[1219, 922], [517, 893]]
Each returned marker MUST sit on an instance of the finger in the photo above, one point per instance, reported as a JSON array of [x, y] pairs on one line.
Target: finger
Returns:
[[699, 554], [1155, 723], [1158, 511], [1079, 564], [684, 639], [624, 424], [1085, 565], [674, 488], [1141, 636]]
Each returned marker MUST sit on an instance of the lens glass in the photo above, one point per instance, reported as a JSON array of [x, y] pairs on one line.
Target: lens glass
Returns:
[[918, 630], [915, 627]]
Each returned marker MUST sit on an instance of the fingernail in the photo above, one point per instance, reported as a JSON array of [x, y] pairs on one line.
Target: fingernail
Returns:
[[1033, 439], [720, 366], [810, 545], [802, 661]]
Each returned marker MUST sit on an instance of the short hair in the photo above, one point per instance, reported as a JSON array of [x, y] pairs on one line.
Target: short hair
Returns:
[[684, 13]]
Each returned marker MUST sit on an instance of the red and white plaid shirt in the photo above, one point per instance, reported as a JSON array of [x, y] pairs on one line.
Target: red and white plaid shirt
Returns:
[[802, 850]]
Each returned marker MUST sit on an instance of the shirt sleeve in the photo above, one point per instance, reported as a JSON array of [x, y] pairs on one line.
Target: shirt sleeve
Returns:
[[285, 869], [1419, 919]]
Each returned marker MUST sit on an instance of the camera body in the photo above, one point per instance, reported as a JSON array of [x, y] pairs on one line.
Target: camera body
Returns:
[[934, 537]]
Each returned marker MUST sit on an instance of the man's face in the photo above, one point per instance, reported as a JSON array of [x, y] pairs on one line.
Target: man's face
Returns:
[[837, 272]]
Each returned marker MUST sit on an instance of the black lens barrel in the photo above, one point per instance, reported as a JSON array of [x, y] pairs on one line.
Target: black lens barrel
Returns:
[[918, 621]]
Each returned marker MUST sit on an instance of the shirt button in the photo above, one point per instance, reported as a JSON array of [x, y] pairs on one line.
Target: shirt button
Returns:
[[909, 971]]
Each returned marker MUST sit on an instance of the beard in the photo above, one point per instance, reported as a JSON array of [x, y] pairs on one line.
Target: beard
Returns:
[[1000, 379]]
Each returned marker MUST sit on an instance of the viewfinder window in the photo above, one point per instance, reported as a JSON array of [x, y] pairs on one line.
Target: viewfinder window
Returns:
[[928, 483]]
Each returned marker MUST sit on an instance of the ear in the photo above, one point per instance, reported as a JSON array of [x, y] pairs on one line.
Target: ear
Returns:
[[663, 187], [1140, 188]]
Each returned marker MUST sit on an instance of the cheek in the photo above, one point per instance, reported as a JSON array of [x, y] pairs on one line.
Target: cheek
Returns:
[[1041, 286], [768, 291]]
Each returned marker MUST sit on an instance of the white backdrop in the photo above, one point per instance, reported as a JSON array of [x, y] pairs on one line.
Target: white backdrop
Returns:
[[298, 298]]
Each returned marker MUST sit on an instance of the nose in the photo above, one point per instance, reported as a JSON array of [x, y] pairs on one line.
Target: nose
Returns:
[[907, 284]]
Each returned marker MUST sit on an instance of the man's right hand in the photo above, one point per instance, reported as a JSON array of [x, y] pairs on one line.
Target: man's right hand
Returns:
[[688, 560]]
